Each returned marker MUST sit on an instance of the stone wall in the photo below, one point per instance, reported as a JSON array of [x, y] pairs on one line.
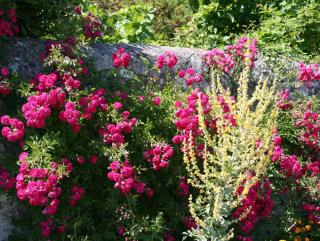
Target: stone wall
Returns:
[[7, 211], [23, 56]]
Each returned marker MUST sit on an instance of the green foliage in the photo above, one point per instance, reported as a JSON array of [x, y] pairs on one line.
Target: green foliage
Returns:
[[131, 24], [282, 27], [147, 21], [38, 18], [292, 27], [41, 149], [170, 15], [219, 21], [148, 229]]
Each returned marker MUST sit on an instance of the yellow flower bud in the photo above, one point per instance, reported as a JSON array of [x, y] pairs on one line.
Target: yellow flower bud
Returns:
[[308, 227]]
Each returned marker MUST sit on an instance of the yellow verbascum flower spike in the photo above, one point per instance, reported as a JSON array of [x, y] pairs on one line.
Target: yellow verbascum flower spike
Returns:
[[229, 154]]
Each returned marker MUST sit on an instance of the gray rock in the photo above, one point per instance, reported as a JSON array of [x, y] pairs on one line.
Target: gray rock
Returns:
[[7, 211], [23, 58]]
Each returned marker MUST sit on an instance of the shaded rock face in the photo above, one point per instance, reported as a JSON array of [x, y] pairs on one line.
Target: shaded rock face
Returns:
[[7, 210], [101, 55], [23, 57]]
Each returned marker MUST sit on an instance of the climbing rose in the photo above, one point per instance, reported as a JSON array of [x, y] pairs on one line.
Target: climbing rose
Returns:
[[71, 116], [77, 194], [168, 59], [47, 81], [121, 230], [36, 110], [157, 100], [13, 129], [309, 73], [5, 71], [159, 156], [117, 105], [217, 57], [92, 26], [121, 58], [77, 10], [183, 187], [6, 182], [190, 77]]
